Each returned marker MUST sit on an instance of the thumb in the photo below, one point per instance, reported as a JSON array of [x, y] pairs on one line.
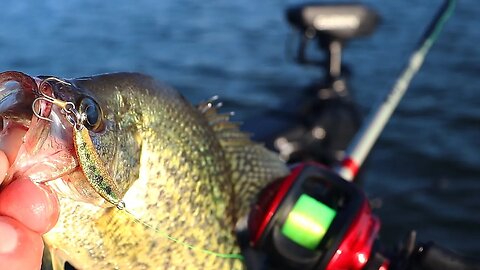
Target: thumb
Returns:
[[36, 206]]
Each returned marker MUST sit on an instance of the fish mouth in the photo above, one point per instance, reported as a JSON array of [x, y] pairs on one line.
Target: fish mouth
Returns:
[[46, 153]]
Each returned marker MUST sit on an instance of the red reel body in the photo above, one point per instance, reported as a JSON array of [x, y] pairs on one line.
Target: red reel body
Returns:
[[313, 219]]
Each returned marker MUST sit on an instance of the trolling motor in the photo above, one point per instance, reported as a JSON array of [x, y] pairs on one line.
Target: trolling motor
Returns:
[[323, 126]]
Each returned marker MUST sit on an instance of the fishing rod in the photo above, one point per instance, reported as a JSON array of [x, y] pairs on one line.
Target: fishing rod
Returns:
[[364, 140]]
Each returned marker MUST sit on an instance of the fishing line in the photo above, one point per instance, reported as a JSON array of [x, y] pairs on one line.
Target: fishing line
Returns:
[[97, 175], [235, 256]]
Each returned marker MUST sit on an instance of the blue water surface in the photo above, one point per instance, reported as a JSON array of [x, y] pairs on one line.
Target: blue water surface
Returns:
[[425, 169]]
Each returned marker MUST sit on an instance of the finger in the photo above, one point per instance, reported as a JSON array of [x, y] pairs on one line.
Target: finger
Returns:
[[20, 248], [36, 206]]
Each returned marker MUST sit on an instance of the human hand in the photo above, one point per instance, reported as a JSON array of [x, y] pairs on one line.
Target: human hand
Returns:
[[27, 210]]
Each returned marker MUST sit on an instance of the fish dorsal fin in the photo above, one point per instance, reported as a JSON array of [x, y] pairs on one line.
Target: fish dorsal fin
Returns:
[[252, 165]]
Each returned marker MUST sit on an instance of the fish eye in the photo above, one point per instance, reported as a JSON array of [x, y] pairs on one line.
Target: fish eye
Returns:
[[93, 114]]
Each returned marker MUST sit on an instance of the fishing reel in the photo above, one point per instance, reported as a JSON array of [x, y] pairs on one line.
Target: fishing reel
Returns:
[[311, 219]]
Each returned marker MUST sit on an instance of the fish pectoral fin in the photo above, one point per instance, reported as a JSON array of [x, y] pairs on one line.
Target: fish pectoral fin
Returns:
[[51, 260]]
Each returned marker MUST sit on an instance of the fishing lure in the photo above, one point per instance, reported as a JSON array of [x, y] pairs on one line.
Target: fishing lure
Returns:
[[93, 167], [90, 162]]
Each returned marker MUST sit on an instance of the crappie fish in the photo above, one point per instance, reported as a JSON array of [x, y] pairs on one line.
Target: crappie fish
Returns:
[[186, 174]]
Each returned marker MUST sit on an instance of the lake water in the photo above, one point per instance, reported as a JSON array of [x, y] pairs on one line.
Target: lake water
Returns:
[[425, 168]]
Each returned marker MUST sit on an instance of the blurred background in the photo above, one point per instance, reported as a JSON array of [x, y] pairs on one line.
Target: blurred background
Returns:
[[424, 172]]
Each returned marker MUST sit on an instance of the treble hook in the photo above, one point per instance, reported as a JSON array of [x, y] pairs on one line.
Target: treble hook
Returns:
[[67, 106]]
